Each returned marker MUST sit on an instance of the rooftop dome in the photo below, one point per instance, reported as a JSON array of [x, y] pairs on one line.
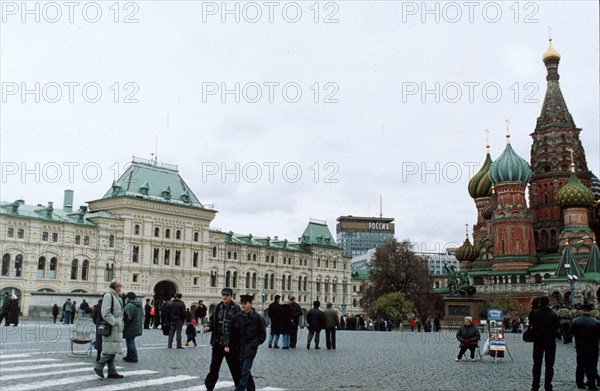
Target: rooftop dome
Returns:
[[510, 167], [551, 54], [481, 184], [574, 194]]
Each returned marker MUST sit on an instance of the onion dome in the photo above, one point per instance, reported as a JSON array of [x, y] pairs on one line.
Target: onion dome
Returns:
[[481, 184], [551, 55], [488, 211], [510, 167], [466, 252], [595, 186], [574, 194]]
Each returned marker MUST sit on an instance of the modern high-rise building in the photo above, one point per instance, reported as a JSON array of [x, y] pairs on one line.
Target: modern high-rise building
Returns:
[[356, 235]]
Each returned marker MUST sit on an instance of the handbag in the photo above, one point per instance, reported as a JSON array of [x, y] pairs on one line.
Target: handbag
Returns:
[[166, 329], [529, 334], [103, 328]]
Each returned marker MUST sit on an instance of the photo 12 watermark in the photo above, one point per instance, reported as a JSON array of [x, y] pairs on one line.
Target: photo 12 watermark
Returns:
[[69, 92], [270, 92], [469, 91], [269, 172], [469, 11], [270, 12], [438, 172], [52, 12]]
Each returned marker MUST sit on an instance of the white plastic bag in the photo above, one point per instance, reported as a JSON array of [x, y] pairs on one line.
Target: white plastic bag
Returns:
[[486, 347]]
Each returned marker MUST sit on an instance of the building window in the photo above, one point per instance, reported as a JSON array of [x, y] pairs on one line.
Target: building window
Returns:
[[54, 237], [235, 280], [227, 279], [111, 241], [86, 240], [41, 269], [77, 239], [178, 234], [272, 259], [305, 285], [18, 265], [318, 286], [253, 257], [247, 280], [195, 259], [135, 254], [249, 257], [289, 283], [234, 255], [228, 254], [5, 264], [135, 278], [156, 232], [213, 279], [195, 280], [74, 268], [299, 283], [177, 257], [155, 256], [167, 256], [167, 233], [10, 232], [272, 281], [136, 229], [253, 280], [53, 268], [282, 283], [195, 236], [85, 267], [20, 233], [266, 284], [44, 236], [214, 252]]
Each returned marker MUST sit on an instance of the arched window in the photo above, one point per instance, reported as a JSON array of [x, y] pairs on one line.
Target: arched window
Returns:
[[5, 264], [522, 280], [53, 267], [235, 279], [253, 280], [178, 234], [289, 283], [167, 233], [18, 265], [111, 241], [266, 286], [136, 229], [553, 238], [213, 279], [299, 283], [513, 279], [305, 285], [544, 239], [195, 236], [156, 232], [283, 282], [228, 279], [85, 266], [247, 280], [74, 268], [538, 278], [41, 269], [214, 252]]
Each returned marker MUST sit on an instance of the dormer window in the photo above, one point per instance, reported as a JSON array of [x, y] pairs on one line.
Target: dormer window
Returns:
[[166, 194], [144, 189]]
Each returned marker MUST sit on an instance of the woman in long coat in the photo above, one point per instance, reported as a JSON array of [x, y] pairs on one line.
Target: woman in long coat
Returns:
[[112, 313], [13, 311]]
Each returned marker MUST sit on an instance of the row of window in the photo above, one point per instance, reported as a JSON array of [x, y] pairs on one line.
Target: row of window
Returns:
[[45, 269], [10, 233], [167, 233], [271, 259], [231, 280]]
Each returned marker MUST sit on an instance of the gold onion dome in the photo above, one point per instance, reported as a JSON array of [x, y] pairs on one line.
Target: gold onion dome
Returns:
[[466, 252], [481, 184], [551, 54], [574, 194]]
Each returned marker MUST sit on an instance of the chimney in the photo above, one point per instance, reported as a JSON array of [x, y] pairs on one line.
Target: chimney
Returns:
[[68, 201]]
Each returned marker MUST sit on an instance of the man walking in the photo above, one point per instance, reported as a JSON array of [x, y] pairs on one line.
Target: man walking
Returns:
[[314, 318], [201, 312], [67, 312], [5, 308], [221, 325], [274, 318], [546, 325], [133, 325], [176, 317], [331, 323], [84, 307], [112, 313], [296, 314], [147, 314], [249, 333], [586, 331]]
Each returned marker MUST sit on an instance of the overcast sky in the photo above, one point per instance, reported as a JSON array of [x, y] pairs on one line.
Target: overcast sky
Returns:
[[335, 102]]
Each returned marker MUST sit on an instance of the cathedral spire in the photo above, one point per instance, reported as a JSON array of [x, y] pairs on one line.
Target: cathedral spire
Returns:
[[554, 110]]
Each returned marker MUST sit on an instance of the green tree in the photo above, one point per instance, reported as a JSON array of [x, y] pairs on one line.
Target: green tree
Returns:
[[392, 306], [510, 306], [395, 267]]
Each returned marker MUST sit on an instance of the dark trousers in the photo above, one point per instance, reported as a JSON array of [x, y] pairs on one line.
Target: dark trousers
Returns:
[[586, 365], [147, 321], [316, 334], [218, 353], [175, 331], [294, 336], [464, 348], [330, 338], [543, 349], [246, 379]]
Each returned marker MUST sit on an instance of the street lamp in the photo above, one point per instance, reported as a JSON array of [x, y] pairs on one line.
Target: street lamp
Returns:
[[344, 296]]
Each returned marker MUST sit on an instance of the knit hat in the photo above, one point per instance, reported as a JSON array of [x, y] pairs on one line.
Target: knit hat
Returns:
[[469, 318]]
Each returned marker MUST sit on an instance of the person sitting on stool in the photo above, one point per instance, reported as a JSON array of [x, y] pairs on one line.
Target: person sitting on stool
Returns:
[[468, 336]]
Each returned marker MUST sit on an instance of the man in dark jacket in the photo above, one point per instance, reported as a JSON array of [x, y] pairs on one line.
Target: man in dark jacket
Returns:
[[132, 317], [5, 306], [296, 314], [468, 335], [249, 333], [274, 319], [223, 346], [176, 317], [201, 312], [586, 331], [314, 318], [147, 316], [84, 307], [546, 327], [331, 323]]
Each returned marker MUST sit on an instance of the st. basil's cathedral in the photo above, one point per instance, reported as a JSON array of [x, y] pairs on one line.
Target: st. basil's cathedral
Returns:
[[549, 247]]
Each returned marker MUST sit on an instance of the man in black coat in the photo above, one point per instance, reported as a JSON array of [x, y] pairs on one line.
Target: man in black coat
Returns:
[[586, 331], [176, 317], [274, 319], [223, 345], [5, 308], [315, 321], [249, 333], [296, 314], [147, 315], [546, 327]]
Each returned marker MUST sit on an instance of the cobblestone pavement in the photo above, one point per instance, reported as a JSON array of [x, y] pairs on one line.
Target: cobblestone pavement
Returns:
[[36, 355]]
